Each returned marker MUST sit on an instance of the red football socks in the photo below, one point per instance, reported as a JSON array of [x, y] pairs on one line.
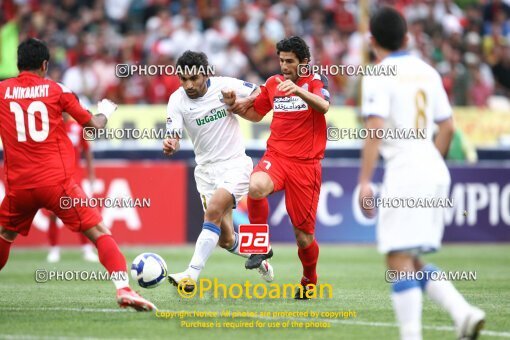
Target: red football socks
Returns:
[[258, 210], [109, 254], [5, 247], [53, 233], [309, 257]]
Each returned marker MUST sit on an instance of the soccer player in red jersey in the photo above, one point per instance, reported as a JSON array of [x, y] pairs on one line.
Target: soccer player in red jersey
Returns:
[[80, 145], [39, 163], [295, 148]]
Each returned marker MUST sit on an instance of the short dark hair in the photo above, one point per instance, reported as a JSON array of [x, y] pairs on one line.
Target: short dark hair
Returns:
[[296, 45], [31, 54], [389, 28], [193, 60]]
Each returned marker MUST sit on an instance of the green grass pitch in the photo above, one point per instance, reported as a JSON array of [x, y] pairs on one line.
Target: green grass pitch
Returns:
[[78, 309]]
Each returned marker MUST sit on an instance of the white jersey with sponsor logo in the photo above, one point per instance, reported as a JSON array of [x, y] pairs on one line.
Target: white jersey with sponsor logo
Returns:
[[411, 102], [214, 132]]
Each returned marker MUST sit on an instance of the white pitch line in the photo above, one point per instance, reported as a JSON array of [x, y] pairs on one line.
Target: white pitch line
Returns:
[[388, 324], [63, 309], [433, 328], [49, 337], [38, 337], [346, 322]]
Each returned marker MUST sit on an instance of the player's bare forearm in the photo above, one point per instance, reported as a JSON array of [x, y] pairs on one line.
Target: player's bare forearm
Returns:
[[370, 151], [369, 158], [444, 136], [97, 121], [251, 115], [241, 105], [317, 103], [105, 108]]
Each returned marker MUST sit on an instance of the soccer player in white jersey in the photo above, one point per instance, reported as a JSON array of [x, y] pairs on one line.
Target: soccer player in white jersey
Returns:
[[412, 99], [223, 170]]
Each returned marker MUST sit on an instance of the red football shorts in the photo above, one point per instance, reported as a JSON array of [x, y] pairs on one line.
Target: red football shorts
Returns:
[[301, 181], [19, 207]]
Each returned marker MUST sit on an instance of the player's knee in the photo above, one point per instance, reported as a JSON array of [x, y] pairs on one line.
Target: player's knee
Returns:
[[401, 261], [8, 235], [226, 241], [303, 240], [95, 232], [102, 229], [214, 214], [418, 264], [257, 190], [303, 243]]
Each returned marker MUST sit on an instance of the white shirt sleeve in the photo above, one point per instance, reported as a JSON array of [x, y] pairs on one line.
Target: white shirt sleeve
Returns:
[[174, 120], [442, 109], [375, 97], [242, 88]]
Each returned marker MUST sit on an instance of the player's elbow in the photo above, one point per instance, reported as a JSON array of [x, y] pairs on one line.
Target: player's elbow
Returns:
[[324, 108], [253, 116], [257, 118]]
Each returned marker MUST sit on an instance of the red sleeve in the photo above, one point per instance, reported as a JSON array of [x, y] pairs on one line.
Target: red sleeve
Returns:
[[262, 103], [71, 104], [320, 86]]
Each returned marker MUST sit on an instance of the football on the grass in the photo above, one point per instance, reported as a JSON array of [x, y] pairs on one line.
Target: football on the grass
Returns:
[[149, 270]]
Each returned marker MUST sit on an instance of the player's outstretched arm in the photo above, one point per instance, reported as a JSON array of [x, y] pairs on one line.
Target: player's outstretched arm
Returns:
[[105, 108], [242, 106], [317, 103], [170, 146], [252, 115], [444, 136]]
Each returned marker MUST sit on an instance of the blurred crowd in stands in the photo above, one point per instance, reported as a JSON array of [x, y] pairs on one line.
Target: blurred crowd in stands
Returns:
[[468, 42]]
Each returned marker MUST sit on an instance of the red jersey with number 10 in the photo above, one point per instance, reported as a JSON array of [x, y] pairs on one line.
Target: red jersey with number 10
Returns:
[[297, 130], [37, 150]]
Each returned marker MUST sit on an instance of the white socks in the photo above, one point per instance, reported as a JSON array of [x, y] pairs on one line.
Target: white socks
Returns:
[[204, 247], [407, 303], [446, 296], [235, 247], [120, 279]]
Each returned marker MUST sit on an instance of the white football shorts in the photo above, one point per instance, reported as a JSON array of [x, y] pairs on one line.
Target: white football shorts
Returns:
[[232, 175], [411, 228]]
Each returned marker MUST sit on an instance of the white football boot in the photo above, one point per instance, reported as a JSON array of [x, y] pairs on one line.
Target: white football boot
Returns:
[[266, 271], [471, 325], [182, 281]]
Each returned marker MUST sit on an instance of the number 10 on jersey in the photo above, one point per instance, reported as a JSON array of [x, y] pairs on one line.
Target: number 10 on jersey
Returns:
[[19, 116]]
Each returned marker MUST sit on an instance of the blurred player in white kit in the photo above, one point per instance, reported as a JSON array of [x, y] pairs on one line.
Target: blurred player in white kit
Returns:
[[412, 99]]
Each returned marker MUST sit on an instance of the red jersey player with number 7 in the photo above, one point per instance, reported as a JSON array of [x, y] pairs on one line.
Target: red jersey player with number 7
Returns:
[[299, 101], [39, 163]]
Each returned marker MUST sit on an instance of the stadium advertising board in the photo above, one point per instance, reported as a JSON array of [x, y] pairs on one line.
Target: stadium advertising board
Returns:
[[482, 127], [480, 212], [154, 214]]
